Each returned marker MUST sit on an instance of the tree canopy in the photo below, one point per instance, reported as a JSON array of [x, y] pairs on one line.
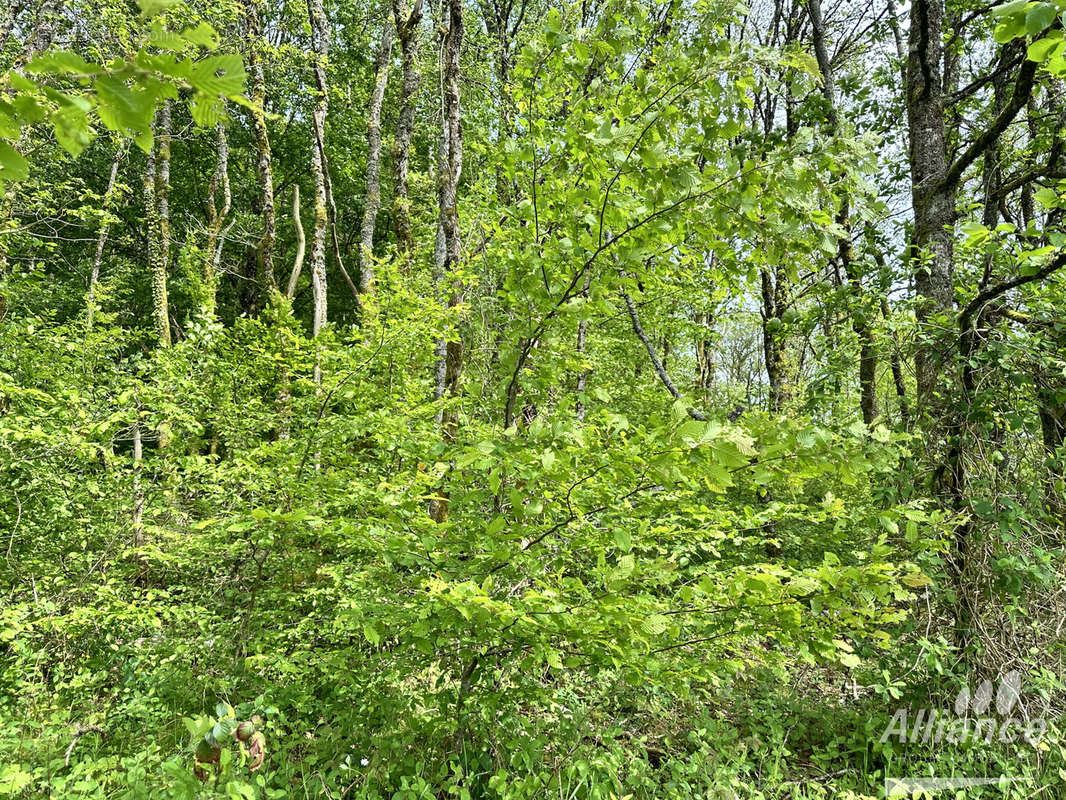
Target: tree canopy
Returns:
[[529, 398]]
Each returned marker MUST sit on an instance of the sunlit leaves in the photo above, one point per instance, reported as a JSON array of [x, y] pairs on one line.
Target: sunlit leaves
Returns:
[[13, 167], [72, 93]]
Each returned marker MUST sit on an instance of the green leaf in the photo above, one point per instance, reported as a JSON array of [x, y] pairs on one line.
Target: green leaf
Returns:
[[654, 625], [13, 779], [1047, 197], [203, 35], [218, 75], [121, 108], [61, 61], [1009, 9], [371, 633], [1043, 49], [623, 539], [1039, 17], [149, 8], [849, 660], [13, 167], [976, 233], [1009, 30], [206, 110]]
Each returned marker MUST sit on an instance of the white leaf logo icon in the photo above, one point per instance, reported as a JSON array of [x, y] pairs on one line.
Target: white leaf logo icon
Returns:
[[1010, 691], [982, 698], [962, 702]]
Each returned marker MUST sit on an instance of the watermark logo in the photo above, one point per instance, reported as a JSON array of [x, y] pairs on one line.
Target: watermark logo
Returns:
[[974, 718], [984, 714]]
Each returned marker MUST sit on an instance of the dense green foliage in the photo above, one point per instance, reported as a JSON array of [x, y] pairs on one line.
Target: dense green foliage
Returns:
[[621, 479]]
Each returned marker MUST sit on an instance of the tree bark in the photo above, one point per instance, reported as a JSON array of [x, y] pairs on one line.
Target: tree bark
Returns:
[[8, 19], [1052, 414], [897, 374], [162, 184], [320, 52], [705, 355], [156, 253], [43, 32], [773, 308], [263, 163], [407, 32], [137, 517], [301, 243], [450, 170], [498, 16], [101, 236], [216, 218], [932, 197], [373, 160]]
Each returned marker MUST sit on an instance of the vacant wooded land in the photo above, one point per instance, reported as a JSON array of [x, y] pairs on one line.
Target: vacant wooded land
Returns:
[[521, 399]]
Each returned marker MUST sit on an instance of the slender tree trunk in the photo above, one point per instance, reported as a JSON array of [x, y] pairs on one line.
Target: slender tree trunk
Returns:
[[320, 37], [897, 374], [156, 252], [162, 185], [162, 188], [450, 170], [373, 160], [284, 386], [705, 354], [407, 31], [263, 165], [101, 236], [845, 253], [653, 356], [773, 307], [301, 243], [498, 19], [216, 217]]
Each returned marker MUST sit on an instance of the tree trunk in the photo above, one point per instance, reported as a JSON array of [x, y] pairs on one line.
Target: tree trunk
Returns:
[[263, 166], [301, 243], [320, 46], [705, 354], [845, 253], [101, 237], [773, 308], [156, 252], [43, 32], [450, 170], [407, 32], [1053, 431], [216, 217], [653, 356], [932, 195], [373, 160], [8, 18], [498, 20]]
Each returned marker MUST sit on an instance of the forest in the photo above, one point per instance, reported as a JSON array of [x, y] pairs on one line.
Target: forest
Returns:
[[520, 399]]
